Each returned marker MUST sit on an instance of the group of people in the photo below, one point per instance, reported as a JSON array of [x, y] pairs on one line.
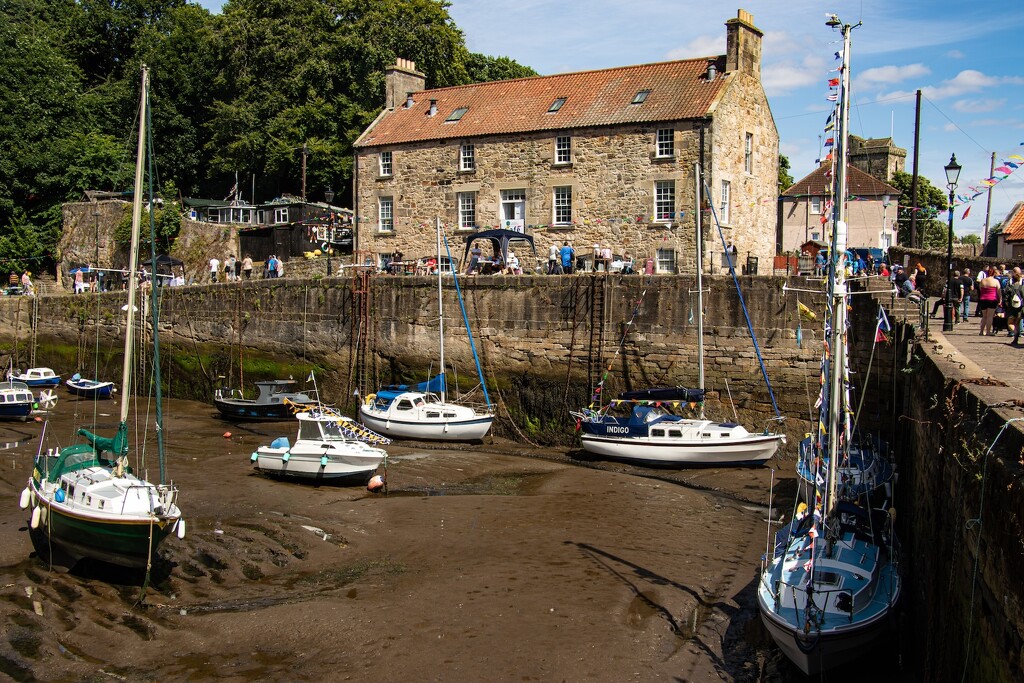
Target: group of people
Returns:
[[498, 265], [562, 260], [235, 269], [20, 285]]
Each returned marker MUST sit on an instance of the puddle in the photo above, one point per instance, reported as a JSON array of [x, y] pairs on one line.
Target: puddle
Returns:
[[14, 439]]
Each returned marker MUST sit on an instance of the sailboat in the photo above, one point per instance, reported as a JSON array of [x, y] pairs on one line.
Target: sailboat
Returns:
[[84, 498], [830, 583], [651, 433], [425, 411]]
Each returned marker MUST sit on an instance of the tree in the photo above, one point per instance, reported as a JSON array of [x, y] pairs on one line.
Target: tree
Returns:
[[785, 179], [932, 232]]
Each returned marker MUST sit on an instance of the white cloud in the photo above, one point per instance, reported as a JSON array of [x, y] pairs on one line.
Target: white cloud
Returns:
[[978, 106], [892, 74], [701, 46], [950, 128], [955, 54], [1001, 123]]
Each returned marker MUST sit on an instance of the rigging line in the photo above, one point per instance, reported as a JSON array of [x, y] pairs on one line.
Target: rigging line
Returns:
[[622, 342], [977, 544], [465, 318], [956, 125], [743, 305]]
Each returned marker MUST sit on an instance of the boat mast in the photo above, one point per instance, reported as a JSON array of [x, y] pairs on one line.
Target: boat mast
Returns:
[[133, 257], [440, 312], [700, 285], [154, 300], [837, 277]]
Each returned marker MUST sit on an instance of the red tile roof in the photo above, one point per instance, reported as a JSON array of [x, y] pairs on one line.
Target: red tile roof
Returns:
[[679, 90], [1013, 226], [858, 183]]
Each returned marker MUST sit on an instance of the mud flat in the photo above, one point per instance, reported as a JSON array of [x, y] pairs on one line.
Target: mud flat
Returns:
[[510, 564]]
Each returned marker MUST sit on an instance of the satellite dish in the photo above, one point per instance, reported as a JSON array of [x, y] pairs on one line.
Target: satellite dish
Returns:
[[47, 399]]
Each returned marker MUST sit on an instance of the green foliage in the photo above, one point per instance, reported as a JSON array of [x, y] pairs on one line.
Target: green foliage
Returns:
[[785, 179], [932, 203], [237, 93]]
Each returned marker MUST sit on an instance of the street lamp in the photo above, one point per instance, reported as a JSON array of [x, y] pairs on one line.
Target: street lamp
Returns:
[[952, 175], [329, 196], [885, 233]]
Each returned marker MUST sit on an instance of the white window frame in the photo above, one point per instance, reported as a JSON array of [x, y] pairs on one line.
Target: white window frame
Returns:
[[467, 157], [815, 205], [281, 215], [385, 214], [563, 150], [665, 142], [665, 260], [385, 164], [467, 210], [261, 216], [561, 205], [748, 153], [724, 203], [664, 201]]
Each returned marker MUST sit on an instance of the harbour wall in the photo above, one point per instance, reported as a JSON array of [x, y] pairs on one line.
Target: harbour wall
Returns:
[[546, 343]]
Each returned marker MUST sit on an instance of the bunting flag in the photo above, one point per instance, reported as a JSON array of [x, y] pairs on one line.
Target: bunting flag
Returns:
[[806, 313], [833, 82], [882, 327], [968, 211]]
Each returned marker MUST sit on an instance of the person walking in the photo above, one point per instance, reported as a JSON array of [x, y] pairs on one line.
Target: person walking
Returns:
[[988, 299], [214, 267], [1013, 302], [552, 259], [568, 255], [247, 267], [967, 285]]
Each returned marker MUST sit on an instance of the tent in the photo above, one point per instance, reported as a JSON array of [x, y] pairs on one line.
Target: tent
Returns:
[[500, 239], [164, 263]]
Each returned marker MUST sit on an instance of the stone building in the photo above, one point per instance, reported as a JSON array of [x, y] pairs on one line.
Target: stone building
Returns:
[[870, 211], [878, 157], [598, 157]]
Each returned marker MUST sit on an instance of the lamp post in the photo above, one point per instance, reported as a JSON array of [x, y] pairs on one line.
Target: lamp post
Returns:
[[952, 175], [885, 231], [329, 196]]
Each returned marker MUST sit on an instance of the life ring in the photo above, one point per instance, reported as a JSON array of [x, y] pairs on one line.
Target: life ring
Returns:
[[369, 399]]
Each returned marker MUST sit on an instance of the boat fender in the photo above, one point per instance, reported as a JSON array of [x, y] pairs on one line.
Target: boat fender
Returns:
[[60, 496], [375, 484], [35, 518], [25, 496], [286, 456], [227, 435], [181, 528], [254, 457], [323, 461]]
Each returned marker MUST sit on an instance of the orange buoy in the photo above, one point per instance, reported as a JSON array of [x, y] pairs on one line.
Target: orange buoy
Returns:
[[376, 483], [227, 435]]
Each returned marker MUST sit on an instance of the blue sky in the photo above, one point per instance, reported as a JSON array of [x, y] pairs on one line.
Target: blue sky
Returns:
[[964, 57]]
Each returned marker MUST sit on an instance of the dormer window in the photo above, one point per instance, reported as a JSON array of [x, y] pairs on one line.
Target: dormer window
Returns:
[[556, 105], [456, 115], [640, 97]]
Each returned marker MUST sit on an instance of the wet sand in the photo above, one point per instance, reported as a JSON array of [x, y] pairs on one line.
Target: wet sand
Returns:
[[509, 564]]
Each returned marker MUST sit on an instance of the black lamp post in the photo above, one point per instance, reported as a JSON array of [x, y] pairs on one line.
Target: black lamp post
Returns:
[[952, 175], [329, 196]]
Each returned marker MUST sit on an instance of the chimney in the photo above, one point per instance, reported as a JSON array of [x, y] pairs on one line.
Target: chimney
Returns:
[[408, 100], [433, 108], [401, 78], [743, 44]]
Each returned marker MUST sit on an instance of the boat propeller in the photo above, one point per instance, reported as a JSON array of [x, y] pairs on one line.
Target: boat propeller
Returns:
[[47, 399]]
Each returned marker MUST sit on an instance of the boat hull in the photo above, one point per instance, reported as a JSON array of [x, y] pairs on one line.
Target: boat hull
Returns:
[[127, 541], [458, 429], [311, 465], [245, 410], [90, 389], [15, 411], [752, 450], [826, 650]]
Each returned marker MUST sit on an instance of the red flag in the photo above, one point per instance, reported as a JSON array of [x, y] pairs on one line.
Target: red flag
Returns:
[[833, 82], [880, 337], [965, 213]]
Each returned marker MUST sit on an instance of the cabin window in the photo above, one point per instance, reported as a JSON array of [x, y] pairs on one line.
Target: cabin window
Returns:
[[657, 432], [431, 414], [308, 430], [675, 433], [449, 414], [281, 215], [404, 404]]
